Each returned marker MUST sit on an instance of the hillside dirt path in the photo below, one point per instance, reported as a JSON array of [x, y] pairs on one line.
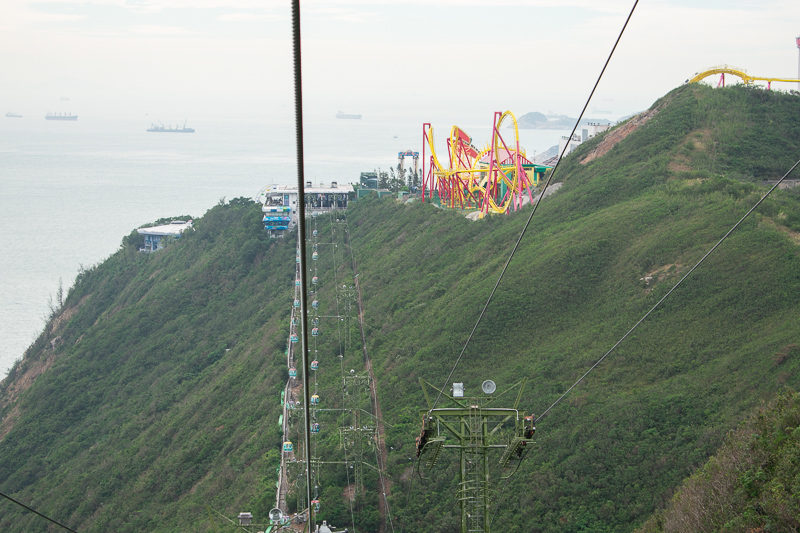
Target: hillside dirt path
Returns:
[[382, 454]]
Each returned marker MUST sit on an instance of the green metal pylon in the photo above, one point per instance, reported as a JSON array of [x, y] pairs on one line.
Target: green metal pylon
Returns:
[[476, 428]]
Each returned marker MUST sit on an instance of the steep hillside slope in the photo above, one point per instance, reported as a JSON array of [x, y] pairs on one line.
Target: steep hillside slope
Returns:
[[162, 371], [599, 253], [150, 402], [751, 484]]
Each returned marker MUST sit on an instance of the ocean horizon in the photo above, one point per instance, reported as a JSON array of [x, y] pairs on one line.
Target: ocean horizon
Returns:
[[70, 191]]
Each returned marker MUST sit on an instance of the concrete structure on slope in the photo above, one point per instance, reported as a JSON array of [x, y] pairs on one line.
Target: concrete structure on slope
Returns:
[[279, 204], [587, 131], [155, 236]]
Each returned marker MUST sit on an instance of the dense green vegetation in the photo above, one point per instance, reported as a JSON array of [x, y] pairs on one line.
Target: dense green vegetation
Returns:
[[751, 484], [158, 404], [165, 371]]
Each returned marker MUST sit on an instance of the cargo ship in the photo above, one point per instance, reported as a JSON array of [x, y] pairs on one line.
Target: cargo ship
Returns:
[[348, 115], [13, 115], [160, 128], [61, 116]]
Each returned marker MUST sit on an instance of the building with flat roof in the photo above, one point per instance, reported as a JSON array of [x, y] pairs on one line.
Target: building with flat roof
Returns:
[[280, 203], [155, 236]]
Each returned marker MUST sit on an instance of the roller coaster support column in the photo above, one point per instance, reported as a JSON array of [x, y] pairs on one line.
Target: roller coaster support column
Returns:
[[797, 40], [425, 185]]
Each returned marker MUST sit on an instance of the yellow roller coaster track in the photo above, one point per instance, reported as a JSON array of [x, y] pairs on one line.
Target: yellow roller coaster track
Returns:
[[746, 78]]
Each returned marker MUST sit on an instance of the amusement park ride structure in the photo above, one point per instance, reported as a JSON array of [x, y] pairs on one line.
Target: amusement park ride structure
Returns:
[[746, 78], [408, 153], [493, 180]]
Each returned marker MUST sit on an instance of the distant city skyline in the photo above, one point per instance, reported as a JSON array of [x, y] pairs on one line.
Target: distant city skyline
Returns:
[[439, 59]]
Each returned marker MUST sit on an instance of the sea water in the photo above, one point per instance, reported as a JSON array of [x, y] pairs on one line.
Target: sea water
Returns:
[[70, 191]]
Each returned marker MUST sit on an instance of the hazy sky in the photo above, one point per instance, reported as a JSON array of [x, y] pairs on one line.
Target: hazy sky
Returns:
[[432, 58]]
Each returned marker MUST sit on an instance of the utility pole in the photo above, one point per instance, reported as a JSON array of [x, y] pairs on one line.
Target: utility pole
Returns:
[[474, 428], [359, 434]]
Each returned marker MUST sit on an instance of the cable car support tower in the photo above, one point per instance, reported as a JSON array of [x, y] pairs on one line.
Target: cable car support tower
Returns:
[[475, 427]]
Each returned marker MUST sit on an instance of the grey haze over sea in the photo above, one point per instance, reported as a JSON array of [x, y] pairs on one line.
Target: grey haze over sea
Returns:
[[70, 191]]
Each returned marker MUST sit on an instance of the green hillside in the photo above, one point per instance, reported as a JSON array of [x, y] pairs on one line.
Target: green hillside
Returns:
[[751, 484], [150, 402], [159, 385]]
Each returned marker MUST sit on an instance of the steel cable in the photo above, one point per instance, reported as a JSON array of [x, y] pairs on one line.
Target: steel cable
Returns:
[[658, 303], [535, 206], [34, 511], [301, 237]]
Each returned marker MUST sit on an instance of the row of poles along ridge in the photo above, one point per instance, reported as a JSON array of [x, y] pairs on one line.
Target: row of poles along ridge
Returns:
[[356, 427]]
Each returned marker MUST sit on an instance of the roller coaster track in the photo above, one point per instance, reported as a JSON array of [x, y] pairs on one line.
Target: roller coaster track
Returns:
[[498, 179], [746, 78]]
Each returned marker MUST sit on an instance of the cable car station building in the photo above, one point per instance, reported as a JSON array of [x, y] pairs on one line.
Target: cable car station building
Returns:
[[280, 203]]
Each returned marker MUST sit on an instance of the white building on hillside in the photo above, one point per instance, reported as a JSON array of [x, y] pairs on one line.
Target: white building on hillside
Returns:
[[154, 236], [583, 134], [280, 203]]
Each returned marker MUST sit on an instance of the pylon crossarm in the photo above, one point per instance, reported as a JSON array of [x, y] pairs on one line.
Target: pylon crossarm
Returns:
[[500, 424], [457, 412], [442, 394], [483, 447], [452, 429], [519, 386]]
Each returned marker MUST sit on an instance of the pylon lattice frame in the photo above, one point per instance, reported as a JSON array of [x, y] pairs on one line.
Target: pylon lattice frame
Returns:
[[476, 429]]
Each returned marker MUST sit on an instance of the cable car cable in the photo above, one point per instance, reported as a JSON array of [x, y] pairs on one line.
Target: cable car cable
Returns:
[[535, 206], [708, 253], [34, 511], [301, 236]]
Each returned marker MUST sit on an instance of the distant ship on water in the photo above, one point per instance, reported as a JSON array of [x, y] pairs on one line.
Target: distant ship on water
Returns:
[[13, 115], [160, 128], [61, 116], [348, 115]]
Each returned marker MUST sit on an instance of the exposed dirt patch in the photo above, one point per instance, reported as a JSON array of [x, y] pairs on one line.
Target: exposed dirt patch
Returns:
[[20, 384], [659, 274], [784, 353], [296, 390], [382, 457], [32, 369], [793, 235], [65, 316], [695, 141], [679, 164], [7, 424], [701, 139], [617, 134], [692, 182]]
